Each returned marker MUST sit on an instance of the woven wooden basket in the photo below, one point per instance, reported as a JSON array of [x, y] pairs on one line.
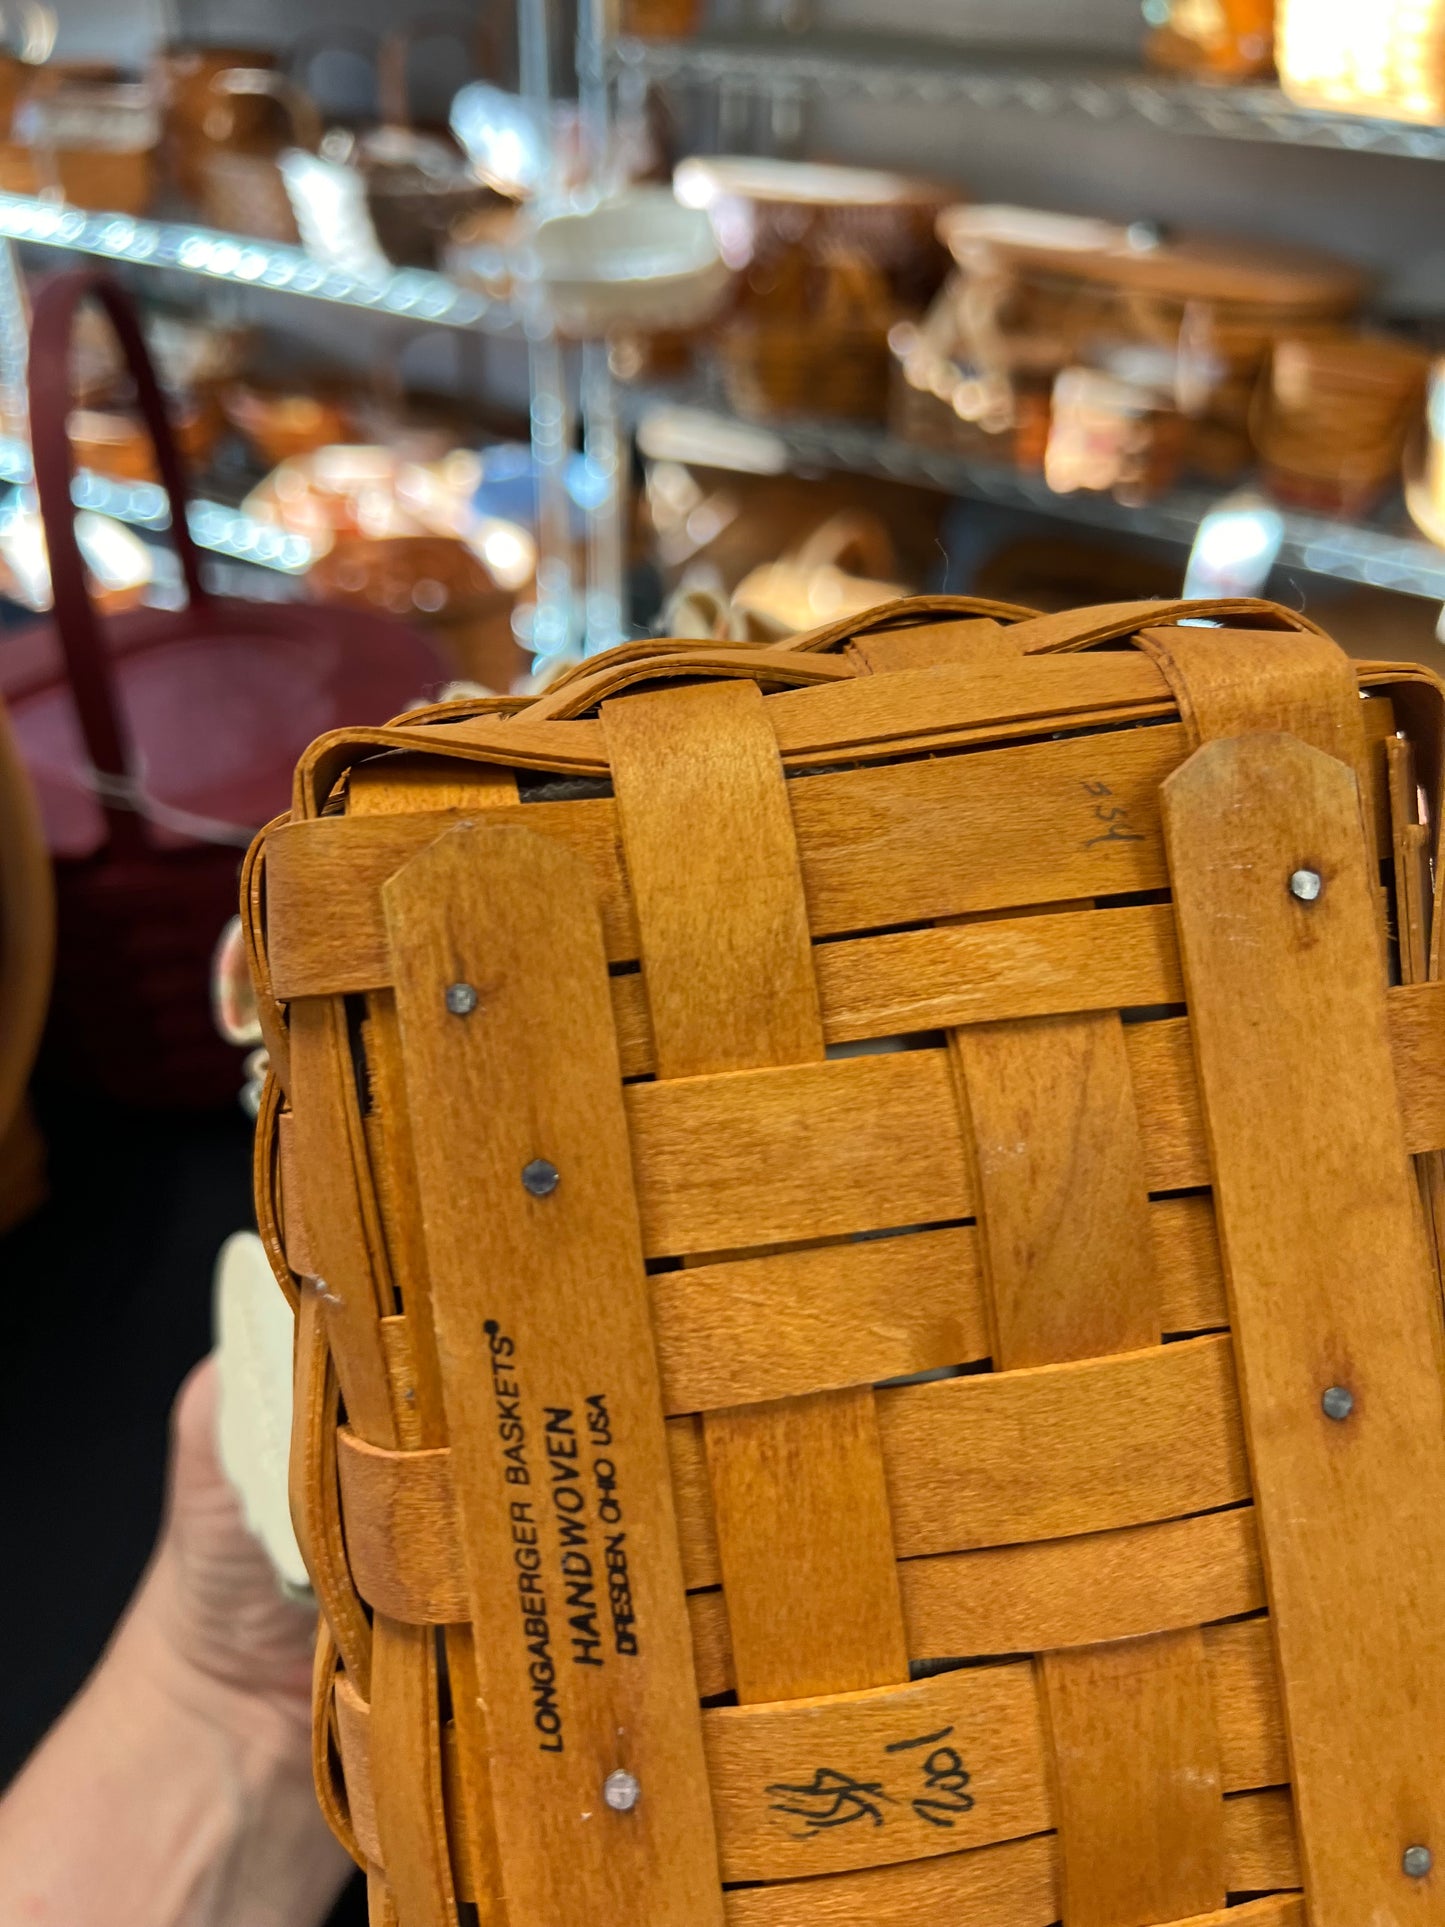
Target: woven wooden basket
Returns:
[[1333, 417], [818, 346], [863, 1218]]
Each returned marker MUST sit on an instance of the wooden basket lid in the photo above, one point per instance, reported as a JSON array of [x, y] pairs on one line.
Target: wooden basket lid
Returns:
[[702, 180], [1185, 266]]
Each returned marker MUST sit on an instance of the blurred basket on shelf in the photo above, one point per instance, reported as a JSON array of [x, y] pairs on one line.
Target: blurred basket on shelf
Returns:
[[181, 74], [941, 396], [418, 184], [1386, 60], [1034, 293], [816, 343], [635, 260], [662, 19], [444, 586], [241, 186], [1114, 430], [767, 211], [281, 422], [115, 442], [79, 133], [1214, 39], [1425, 462], [1333, 418]]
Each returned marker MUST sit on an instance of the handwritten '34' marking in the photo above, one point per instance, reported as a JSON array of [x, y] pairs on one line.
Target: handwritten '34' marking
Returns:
[[1114, 816], [835, 1799]]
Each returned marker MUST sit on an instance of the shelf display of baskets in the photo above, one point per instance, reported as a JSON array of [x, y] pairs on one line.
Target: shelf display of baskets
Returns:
[[1162, 337]]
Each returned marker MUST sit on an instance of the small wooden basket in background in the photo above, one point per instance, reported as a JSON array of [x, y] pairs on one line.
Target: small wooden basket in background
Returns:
[[816, 343], [241, 186], [1333, 417], [81, 134]]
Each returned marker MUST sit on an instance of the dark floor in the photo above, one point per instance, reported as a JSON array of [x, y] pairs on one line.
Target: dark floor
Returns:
[[107, 1306]]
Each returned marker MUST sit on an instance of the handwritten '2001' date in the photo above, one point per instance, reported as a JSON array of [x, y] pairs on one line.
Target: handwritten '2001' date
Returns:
[[833, 1799]]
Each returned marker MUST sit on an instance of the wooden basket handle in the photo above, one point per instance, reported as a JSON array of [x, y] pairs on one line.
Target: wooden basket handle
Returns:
[[303, 122], [699, 613], [854, 540]]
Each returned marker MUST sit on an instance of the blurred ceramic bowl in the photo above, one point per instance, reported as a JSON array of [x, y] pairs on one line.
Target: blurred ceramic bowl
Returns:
[[640, 260]]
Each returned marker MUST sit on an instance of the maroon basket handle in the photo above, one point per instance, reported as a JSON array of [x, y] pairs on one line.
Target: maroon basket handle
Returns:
[[87, 663]]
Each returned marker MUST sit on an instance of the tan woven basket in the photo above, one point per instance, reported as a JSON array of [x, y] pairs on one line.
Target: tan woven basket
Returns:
[[75, 130], [241, 186], [1035, 293], [863, 1218], [1333, 416], [818, 346]]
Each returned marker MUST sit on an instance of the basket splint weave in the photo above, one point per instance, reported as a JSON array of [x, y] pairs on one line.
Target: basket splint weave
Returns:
[[864, 1222]]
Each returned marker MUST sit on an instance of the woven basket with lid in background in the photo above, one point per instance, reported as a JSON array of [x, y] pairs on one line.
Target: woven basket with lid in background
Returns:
[[863, 1217], [1034, 294]]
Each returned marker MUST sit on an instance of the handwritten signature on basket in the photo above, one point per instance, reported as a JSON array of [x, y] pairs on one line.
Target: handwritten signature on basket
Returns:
[[1114, 816], [835, 1799]]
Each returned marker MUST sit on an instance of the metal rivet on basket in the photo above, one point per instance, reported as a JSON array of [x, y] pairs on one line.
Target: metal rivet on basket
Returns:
[[541, 1178], [1337, 1402], [461, 999], [1417, 1862], [622, 1792], [1306, 885]]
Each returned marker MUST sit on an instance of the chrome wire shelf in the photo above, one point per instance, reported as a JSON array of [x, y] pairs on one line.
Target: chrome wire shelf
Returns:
[[412, 294], [214, 527], [1376, 556], [878, 67]]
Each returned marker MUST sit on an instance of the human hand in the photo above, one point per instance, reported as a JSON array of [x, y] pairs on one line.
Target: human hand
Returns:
[[212, 1598], [176, 1789]]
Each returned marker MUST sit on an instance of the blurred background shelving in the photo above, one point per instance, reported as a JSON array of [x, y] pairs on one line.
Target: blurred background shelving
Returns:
[[940, 71]]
